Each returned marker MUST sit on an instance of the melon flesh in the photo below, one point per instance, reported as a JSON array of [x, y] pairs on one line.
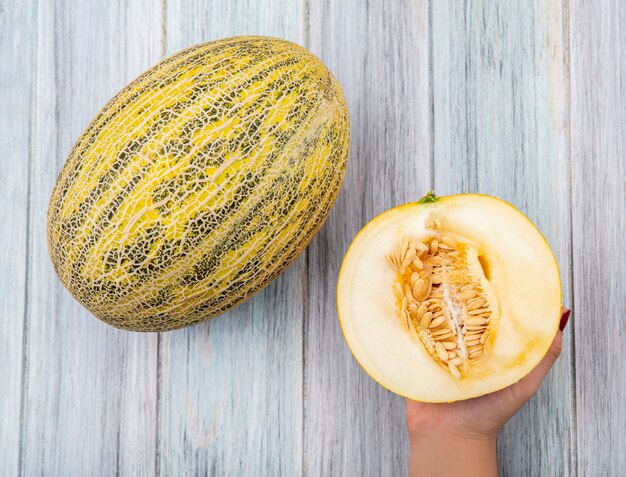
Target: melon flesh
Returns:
[[510, 260]]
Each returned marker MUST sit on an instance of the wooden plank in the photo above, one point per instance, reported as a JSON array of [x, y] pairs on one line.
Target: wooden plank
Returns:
[[598, 145], [16, 37], [379, 52], [91, 389], [500, 127], [231, 389]]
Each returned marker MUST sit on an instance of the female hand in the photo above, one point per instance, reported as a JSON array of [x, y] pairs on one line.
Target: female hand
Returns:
[[460, 437]]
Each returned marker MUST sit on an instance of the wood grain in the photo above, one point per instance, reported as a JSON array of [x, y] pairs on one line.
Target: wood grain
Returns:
[[379, 52], [485, 92], [90, 389], [231, 389], [500, 128], [598, 145], [17, 31]]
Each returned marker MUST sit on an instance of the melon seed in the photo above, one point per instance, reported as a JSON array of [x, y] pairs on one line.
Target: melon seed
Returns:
[[399, 289], [437, 260], [476, 321], [441, 352], [392, 261], [418, 288], [449, 241], [426, 319], [470, 286], [407, 291], [475, 304], [480, 311], [418, 246], [404, 247], [466, 295], [426, 290], [437, 322], [453, 370], [434, 244], [435, 224], [408, 257], [405, 315]]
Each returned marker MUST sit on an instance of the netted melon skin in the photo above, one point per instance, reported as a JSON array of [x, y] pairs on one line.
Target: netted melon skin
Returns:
[[199, 183]]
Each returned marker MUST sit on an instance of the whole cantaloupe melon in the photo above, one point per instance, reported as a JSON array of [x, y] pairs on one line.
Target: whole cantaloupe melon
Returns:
[[199, 183]]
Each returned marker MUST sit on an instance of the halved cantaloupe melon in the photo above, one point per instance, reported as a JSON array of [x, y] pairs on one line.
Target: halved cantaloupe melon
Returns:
[[449, 298]]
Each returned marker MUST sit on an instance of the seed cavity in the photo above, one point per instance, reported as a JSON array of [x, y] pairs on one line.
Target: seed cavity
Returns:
[[445, 296]]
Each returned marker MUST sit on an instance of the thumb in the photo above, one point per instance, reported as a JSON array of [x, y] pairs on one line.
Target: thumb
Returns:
[[528, 385]]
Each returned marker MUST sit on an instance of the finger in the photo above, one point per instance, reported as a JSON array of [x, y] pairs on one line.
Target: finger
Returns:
[[529, 385]]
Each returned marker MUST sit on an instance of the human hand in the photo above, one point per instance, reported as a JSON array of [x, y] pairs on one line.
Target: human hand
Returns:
[[464, 432]]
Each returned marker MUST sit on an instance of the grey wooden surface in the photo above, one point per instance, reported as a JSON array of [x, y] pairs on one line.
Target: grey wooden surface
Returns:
[[524, 99]]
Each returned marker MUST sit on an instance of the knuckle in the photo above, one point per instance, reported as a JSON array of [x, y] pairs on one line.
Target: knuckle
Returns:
[[555, 350]]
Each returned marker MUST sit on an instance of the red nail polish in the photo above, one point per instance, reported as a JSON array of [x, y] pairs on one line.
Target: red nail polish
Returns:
[[564, 319]]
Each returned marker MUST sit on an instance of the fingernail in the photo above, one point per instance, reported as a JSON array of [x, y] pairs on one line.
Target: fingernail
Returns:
[[564, 319]]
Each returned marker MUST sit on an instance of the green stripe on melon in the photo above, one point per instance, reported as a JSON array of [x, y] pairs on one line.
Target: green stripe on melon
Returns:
[[199, 183]]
